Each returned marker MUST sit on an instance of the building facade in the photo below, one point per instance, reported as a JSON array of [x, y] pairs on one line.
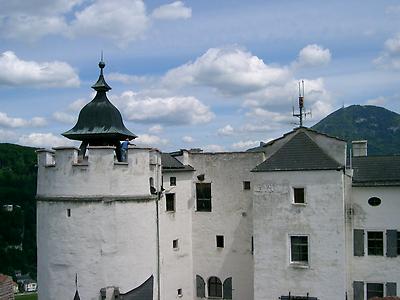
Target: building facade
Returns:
[[291, 219]]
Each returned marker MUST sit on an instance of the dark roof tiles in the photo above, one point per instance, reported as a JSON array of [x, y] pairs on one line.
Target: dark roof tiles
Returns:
[[298, 154]]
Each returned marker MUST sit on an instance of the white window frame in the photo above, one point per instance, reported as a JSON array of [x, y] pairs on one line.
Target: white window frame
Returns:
[[298, 264], [305, 195]]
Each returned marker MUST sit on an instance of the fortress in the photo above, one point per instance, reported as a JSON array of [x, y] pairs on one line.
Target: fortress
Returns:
[[290, 219]]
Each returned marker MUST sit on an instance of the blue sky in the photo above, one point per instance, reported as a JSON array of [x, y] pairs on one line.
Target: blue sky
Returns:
[[219, 75]]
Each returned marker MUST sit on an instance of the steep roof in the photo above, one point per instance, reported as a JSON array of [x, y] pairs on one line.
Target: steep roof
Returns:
[[170, 163], [376, 170], [298, 154]]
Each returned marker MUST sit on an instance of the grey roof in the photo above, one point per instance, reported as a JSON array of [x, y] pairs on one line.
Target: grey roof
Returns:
[[142, 292], [376, 170], [170, 163], [298, 154]]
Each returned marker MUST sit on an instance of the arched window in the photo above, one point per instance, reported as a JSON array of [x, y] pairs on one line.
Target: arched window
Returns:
[[228, 288], [214, 287], [201, 287]]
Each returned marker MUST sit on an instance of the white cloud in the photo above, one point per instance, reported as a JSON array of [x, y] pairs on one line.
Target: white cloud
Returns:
[[9, 122], [390, 56], [156, 129], [313, 55], [270, 116], [256, 128], [8, 136], [127, 79], [226, 130], [244, 145], [176, 110], [149, 140], [188, 139], [380, 101], [64, 117], [77, 105], [46, 140], [172, 11], [17, 72], [214, 148], [230, 70], [122, 21]]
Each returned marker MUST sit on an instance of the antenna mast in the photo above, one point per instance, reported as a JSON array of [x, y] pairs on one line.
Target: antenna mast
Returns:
[[302, 114]]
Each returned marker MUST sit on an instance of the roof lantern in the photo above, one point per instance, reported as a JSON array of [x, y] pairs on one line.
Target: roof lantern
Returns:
[[100, 122]]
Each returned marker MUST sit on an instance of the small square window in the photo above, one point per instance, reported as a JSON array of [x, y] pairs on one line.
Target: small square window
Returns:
[[180, 293], [68, 212], [170, 202], [375, 243], [298, 195], [374, 290], [246, 185], [175, 244], [172, 181], [220, 241], [299, 249]]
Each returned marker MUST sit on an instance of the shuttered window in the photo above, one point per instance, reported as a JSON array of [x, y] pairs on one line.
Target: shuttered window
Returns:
[[391, 289], [358, 239], [200, 287], [358, 290], [228, 288], [374, 290], [391, 243], [375, 243]]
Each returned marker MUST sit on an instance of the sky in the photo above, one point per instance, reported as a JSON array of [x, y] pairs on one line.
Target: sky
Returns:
[[218, 75]]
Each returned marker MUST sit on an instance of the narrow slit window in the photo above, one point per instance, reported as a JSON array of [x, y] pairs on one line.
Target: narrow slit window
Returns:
[[68, 212], [170, 202]]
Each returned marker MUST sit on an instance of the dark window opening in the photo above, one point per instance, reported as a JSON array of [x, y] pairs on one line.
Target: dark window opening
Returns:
[[252, 245], [175, 244], [398, 242], [374, 201], [299, 249], [170, 202], [172, 181], [298, 195], [180, 292], [220, 241], [375, 243], [246, 185], [203, 196], [152, 188], [214, 287], [200, 287], [68, 212], [374, 290]]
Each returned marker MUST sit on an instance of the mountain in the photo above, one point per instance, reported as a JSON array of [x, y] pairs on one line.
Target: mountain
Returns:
[[17, 209], [381, 127]]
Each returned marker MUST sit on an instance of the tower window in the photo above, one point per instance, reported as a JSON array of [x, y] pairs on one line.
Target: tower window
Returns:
[[172, 181], [179, 292], [299, 249], [175, 244], [220, 241], [68, 212], [203, 196], [170, 202]]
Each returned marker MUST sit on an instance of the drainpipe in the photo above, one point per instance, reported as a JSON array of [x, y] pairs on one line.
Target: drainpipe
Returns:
[[158, 246]]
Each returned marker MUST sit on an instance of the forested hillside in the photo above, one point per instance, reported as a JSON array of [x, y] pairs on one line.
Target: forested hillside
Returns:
[[17, 209]]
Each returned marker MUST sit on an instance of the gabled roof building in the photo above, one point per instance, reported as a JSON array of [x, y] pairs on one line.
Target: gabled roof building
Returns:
[[290, 219]]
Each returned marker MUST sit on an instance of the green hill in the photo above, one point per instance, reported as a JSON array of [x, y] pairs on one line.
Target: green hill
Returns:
[[381, 127], [18, 223]]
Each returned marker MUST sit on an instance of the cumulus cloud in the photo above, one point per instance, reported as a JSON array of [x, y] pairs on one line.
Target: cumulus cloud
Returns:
[[44, 140], [120, 20], [64, 117], [244, 145], [10, 122], [214, 148], [18, 72], [127, 79], [150, 140], [78, 104], [156, 129], [313, 55], [390, 56], [226, 130], [230, 70], [172, 11], [176, 110], [188, 139]]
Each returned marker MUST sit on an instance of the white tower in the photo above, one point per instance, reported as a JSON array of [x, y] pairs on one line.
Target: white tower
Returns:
[[97, 215]]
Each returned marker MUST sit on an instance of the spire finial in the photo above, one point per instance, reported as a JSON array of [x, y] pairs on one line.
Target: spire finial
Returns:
[[101, 63]]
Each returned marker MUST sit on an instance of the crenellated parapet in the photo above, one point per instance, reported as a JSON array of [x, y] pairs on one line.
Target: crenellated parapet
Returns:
[[62, 173]]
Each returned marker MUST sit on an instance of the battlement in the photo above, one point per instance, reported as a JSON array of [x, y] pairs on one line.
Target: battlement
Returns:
[[62, 173]]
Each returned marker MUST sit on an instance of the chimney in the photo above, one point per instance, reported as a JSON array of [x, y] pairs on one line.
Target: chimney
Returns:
[[359, 148]]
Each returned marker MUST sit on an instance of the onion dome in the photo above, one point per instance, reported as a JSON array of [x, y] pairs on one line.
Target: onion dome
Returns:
[[99, 122]]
